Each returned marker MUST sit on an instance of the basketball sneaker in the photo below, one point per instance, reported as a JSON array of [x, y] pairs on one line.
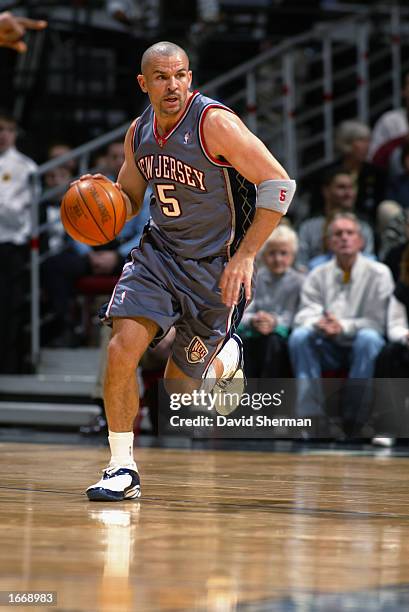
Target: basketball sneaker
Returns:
[[229, 389], [385, 442], [117, 484]]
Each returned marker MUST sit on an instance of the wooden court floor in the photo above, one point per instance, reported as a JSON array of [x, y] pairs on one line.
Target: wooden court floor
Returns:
[[215, 530]]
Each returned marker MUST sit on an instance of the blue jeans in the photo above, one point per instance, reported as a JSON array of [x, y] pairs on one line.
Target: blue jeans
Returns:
[[311, 353]]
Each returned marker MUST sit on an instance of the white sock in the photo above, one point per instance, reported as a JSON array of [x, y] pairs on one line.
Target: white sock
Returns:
[[230, 357], [121, 445]]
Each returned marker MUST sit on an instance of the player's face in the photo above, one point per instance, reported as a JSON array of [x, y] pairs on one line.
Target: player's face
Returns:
[[345, 238], [278, 256], [341, 193], [167, 82], [8, 135]]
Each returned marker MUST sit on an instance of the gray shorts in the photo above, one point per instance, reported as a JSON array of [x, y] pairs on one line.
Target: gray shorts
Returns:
[[173, 291]]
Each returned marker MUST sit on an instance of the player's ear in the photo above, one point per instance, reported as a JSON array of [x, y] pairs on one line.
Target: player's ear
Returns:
[[189, 74], [142, 83]]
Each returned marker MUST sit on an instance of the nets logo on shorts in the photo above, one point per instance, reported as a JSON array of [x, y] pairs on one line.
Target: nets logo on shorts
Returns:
[[196, 351]]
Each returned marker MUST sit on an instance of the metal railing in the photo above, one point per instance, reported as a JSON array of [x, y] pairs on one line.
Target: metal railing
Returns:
[[271, 91]]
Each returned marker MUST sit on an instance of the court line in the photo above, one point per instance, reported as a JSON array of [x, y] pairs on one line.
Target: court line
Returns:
[[274, 507]]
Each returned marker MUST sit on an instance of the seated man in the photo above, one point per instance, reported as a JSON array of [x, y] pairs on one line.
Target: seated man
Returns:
[[267, 322], [339, 196], [341, 320]]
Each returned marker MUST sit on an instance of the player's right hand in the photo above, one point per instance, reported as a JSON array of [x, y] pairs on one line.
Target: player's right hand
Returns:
[[238, 272]]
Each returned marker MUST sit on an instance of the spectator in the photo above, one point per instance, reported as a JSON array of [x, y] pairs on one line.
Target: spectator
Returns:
[[62, 148], [339, 196], [393, 239], [15, 199], [390, 131], [352, 143], [54, 237], [267, 322], [113, 159], [393, 361], [341, 320], [397, 363], [145, 13], [398, 186]]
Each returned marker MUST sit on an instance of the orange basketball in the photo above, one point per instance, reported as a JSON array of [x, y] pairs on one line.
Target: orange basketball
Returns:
[[93, 211]]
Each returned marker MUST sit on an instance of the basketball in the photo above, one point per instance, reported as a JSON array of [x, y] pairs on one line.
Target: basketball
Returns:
[[93, 211]]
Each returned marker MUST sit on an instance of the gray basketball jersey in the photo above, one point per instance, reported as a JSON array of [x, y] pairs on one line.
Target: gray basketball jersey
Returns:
[[202, 206]]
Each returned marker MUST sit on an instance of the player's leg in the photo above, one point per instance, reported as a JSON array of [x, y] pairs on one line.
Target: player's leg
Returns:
[[229, 359], [226, 374], [221, 368], [222, 374], [130, 339]]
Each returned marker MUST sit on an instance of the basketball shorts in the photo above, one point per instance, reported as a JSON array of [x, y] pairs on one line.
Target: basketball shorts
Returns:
[[184, 293]]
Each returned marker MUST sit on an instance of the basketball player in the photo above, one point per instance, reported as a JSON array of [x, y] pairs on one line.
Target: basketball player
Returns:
[[12, 30], [194, 267]]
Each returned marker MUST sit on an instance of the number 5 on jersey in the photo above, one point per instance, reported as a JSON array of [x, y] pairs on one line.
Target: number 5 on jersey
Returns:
[[170, 206]]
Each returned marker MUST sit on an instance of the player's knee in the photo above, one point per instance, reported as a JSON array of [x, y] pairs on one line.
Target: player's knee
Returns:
[[123, 354]]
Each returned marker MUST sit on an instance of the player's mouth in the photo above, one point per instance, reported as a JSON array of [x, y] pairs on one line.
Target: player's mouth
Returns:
[[171, 99]]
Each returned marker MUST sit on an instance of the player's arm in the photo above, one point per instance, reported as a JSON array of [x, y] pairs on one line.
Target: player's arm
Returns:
[[130, 180], [226, 136]]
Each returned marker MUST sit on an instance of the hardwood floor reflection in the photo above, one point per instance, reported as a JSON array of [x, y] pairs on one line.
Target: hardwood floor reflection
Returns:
[[213, 529]]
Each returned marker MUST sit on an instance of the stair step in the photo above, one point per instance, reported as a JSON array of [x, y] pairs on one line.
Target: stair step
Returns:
[[48, 384], [62, 372], [38, 413]]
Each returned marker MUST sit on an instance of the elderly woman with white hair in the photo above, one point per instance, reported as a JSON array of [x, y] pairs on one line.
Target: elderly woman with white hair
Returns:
[[266, 323], [352, 139]]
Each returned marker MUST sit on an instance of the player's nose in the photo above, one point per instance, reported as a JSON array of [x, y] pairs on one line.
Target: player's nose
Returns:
[[172, 83]]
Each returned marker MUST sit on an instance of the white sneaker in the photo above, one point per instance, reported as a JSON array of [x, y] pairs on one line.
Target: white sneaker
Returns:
[[117, 484], [229, 389], [385, 442], [231, 356]]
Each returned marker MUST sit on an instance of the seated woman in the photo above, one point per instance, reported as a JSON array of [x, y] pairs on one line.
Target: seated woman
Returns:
[[267, 321]]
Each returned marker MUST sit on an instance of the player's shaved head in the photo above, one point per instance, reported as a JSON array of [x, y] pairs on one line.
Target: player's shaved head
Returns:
[[164, 48]]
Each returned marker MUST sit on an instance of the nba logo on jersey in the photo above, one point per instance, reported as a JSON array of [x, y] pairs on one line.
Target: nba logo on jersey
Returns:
[[196, 351], [187, 137]]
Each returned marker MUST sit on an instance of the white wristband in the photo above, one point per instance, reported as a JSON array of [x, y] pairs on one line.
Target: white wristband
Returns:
[[275, 194]]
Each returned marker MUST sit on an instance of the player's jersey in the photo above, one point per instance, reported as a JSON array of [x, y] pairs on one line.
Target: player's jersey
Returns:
[[202, 206]]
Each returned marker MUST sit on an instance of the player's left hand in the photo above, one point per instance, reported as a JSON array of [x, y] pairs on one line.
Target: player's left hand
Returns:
[[238, 272]]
